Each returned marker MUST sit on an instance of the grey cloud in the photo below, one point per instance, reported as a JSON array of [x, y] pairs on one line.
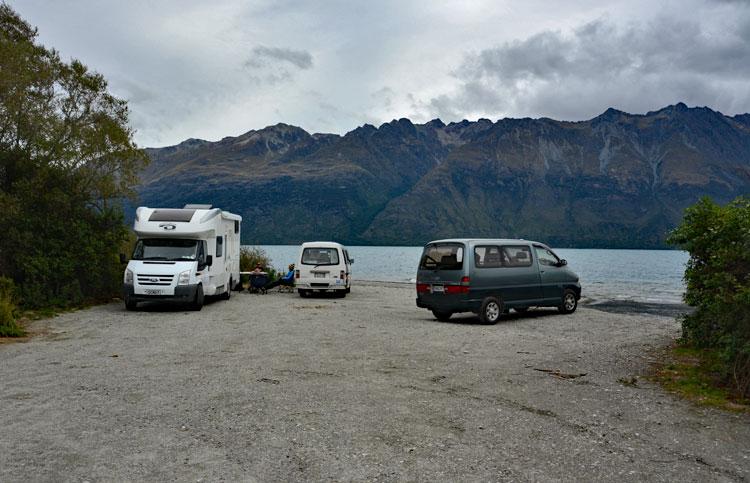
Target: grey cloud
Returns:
[[263, 56], [599, 64]]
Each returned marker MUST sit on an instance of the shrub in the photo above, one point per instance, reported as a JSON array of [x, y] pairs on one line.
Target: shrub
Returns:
[[252, 256], [8, 325], [718, 283]]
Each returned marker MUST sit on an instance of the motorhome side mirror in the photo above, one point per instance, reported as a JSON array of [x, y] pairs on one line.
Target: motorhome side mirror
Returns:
[[123, 259], [563, 262], [209, 260], [351, 260]]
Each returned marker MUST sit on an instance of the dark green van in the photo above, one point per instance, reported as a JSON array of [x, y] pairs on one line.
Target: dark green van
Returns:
[[490, 276]]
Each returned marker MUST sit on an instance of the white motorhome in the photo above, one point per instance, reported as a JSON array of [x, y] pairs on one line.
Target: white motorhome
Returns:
[[183, 255], [323, 267]]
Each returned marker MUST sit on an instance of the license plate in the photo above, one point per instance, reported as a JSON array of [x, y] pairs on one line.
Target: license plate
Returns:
[[320, 275], [438, 289], [153, 292]]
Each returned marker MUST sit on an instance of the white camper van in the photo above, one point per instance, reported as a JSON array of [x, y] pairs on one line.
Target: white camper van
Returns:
[[183, 255], [323, 267]]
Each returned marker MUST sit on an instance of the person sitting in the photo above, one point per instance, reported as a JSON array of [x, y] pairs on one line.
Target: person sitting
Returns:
[[287, 280]]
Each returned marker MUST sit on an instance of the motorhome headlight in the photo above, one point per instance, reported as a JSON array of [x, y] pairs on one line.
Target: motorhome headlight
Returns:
[[184, 278], [128, 276]]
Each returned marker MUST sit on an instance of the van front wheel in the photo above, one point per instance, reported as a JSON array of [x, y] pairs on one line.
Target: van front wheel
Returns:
[[490, 311], [198, 300], [569, 302], [130, 305]]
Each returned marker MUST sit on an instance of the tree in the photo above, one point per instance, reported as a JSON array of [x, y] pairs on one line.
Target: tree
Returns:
[[718, 282], [67, 162]]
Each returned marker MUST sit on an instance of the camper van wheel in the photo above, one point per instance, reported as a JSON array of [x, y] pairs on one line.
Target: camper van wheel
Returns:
[[569, 302], [490, 311], [303, 293], [130, 305], [442, 316], [228, 292], [198, 302]]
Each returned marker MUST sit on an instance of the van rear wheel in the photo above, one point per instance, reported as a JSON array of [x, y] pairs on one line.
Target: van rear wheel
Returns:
[[228, 293], [303, 293], [569, 302], [442, 315], [490, 311]]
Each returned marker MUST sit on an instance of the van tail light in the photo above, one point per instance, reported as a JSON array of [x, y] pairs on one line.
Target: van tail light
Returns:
[[462, 288], [454, 289], [342, 275], [296, 274], [423, 288]]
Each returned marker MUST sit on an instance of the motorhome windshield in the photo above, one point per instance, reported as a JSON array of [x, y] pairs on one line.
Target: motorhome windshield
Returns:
[[442, 256], [165, 249], [320, 256]]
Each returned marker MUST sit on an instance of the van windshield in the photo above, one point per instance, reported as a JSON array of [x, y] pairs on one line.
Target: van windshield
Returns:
[[320, 256], [442, 256], [165, 249]]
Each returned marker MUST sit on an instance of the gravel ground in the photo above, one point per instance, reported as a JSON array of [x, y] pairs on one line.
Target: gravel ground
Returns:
[[280, 388]]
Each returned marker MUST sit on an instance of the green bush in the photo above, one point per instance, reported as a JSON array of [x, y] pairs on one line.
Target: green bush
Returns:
[[8, 325], [718, 283], [250, 257]]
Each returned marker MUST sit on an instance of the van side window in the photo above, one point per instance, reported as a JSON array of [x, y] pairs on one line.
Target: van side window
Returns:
[[487, 257], [236, 226], [219, 246], [516, 256], [546, 257]]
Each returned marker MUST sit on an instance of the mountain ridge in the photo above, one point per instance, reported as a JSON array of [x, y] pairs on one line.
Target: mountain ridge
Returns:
[[618, 179]]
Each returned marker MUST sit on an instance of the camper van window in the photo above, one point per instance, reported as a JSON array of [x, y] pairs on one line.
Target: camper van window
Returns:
[[165, 249], [487, 257], [517, 256], [442, 256], [320, 256], [219, 246], [201, 252], [236, 226]]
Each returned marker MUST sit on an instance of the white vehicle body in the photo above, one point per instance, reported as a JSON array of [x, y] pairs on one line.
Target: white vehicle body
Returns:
[[183, 255], [323, 266]]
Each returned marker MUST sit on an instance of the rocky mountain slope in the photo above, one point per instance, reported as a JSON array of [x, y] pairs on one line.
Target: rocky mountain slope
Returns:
[[618, 180]]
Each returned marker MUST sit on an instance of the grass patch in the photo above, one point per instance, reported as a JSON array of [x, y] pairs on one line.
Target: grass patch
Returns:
[[8, 325], [699, 376]]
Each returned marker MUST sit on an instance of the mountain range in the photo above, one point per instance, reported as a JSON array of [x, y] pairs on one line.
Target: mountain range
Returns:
[[618, 180]]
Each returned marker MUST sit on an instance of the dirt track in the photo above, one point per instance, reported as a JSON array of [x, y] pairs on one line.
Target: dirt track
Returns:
[[279, 388]]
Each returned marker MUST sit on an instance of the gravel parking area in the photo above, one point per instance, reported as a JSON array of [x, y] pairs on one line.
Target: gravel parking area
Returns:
[[280, 388]]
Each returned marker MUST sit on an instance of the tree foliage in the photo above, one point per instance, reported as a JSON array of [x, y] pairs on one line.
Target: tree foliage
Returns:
[[67, 161], [718, 282]]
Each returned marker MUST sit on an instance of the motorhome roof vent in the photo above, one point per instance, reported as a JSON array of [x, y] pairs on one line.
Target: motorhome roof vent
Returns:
[[197, 207], [171, 215]]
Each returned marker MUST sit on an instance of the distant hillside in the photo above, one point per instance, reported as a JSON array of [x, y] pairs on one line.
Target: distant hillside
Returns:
[[618, 180]]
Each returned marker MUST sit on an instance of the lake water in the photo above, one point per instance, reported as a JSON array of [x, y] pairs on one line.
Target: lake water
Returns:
[[638, 275]]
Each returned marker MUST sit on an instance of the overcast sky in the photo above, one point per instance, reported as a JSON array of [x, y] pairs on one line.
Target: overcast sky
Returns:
[[210, 69]]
